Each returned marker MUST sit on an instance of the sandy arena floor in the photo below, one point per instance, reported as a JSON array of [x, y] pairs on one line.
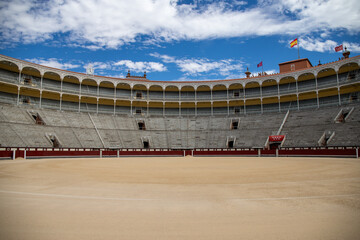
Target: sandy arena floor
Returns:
[[180, 198]]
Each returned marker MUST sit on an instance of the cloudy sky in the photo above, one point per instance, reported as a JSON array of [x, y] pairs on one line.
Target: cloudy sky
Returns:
[[176, 39]]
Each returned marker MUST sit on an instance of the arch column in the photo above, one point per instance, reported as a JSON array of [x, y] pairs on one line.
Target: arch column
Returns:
[[20, 70], [212, 108], [317, 92], [317, 99], [179, 109], [278, 88], [163, 108], [41, 80], [244, 101], [195, 107], [18, 96], [40, 98], [261, 100], [338, 87], [114, 106], [79, 103], [61, 83], [147, 107], [279, 104], [97, 105], [228, 107], [297, 93], [131, 106], [60, 100]]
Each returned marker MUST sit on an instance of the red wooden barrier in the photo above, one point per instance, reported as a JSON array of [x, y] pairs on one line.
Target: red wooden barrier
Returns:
[[6, 154], [318, 152], [38, 153], [252, 152]]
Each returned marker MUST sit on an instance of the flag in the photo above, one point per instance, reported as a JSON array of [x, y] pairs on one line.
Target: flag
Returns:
[[260, 64], [339, 48], [294, 43]]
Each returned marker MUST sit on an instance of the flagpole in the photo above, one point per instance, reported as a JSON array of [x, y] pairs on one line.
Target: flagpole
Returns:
[[298, 43]]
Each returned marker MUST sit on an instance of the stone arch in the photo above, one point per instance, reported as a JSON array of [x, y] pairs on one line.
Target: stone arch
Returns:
[[71, 79], [123, 90], [236, 91], [89, 81], [252, 89], [220, 91], [171, 92], [347, 67], [287, 85], [52, 75], [139, 91], [326, 78], [187, 92], [325, 72], [106, 88], [89, 86], [30, 76], [156, 92], [31, 71], [70, 84], [306, 82], [139, 86], [269, 87], [9, 65], [203, 92], [52, 80], [348, 72]]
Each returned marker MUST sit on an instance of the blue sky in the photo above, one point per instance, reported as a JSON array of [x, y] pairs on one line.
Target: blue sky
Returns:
[[176, 39]]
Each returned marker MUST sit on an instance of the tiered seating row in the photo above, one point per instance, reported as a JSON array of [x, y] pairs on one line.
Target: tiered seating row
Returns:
[[89, 130]]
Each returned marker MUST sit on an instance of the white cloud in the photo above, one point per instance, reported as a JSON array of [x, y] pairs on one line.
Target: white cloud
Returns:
[[97, 24], [142, 66], [54, 63], [352, 47], [320, 45], [324, 13], [197, 66], [98, 65], [317, 45]]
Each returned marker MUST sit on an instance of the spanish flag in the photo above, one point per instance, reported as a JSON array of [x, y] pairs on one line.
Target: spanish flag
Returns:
[[294, 43]]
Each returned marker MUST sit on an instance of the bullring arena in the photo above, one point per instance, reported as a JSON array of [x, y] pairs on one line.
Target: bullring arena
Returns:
[[180, 198], [264, 157]]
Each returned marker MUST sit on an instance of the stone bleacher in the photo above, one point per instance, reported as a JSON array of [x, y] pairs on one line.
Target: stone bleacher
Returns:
[[303, 128]]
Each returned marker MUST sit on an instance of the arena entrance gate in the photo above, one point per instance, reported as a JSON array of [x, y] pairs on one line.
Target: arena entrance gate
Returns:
[[188, 152], [275, 141]]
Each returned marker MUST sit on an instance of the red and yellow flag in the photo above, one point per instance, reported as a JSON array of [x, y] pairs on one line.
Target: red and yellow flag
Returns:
[[294, 43]]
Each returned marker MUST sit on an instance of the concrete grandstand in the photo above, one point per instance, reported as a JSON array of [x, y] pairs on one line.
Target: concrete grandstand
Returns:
[[309, 106]]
